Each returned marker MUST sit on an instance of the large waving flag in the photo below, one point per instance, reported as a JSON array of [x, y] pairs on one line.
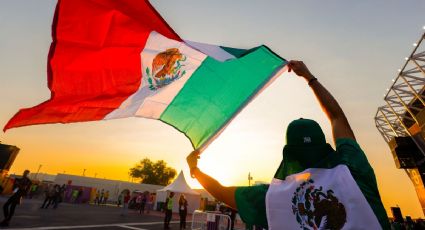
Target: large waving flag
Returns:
[[115, 59]]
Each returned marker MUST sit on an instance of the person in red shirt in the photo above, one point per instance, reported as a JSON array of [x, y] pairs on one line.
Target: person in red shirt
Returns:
[[125, 200]]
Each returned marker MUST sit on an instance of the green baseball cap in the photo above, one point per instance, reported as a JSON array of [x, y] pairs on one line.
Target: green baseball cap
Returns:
[[304, 132], [305, 147]]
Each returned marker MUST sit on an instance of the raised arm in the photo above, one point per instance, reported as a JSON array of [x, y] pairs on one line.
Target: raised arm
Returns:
[[340, 126], [220, 192]]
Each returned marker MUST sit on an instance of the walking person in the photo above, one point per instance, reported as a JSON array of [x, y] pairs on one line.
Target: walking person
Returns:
[[60, 196], [182, 211], [74, 196], [168, 209], [33, 190], [80, 195], [143, 204], [22, 186], [125, 200], [96, 199], [120, 199], [56, 196], [315, 186], [102, 194], [139, 203], [48, 196], [106, 196], [149, 203]]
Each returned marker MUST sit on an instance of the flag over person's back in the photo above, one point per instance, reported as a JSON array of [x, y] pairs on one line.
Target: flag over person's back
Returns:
[[115, 59]]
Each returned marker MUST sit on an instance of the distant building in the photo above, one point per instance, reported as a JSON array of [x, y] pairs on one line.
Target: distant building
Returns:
[[42, 177], [8, 155], [260, 182], [113, 186]]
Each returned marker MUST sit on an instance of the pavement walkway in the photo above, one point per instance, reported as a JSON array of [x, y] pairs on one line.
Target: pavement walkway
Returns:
[[28, 215]]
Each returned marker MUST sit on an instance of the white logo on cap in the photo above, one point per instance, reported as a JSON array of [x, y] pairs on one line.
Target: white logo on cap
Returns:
[[307, 139]]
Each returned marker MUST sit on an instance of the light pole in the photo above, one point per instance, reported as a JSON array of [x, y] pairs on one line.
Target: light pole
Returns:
[[38, 170], [249, 179]]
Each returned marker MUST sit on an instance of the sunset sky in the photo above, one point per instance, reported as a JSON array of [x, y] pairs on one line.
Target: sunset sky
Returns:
[[353, 47]]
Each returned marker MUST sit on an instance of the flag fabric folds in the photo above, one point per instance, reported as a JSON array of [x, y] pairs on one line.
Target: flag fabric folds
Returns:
[[115, 59]]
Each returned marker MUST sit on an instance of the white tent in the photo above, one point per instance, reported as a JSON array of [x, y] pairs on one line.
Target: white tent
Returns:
[[179, 186]]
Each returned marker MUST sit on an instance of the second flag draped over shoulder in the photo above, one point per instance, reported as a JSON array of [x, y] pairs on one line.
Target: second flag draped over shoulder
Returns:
[[114, 59]]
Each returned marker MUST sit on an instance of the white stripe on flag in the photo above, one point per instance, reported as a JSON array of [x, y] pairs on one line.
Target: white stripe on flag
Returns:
[[213, 51], [150, 103]]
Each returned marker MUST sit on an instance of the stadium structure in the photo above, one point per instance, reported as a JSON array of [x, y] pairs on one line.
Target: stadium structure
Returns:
[[8, 155], [401, 120]]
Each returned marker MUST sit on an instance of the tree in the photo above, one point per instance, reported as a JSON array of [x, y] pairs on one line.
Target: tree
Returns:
[[153, 172]]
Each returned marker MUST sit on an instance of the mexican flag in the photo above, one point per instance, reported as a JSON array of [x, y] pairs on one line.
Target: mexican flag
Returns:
[[115, 59]]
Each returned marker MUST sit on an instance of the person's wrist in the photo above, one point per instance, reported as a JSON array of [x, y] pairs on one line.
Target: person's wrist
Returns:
[[308, 77], [193, 170], [311, 81]]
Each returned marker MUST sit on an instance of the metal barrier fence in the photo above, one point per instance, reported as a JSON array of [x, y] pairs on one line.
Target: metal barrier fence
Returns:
[[210, 221]]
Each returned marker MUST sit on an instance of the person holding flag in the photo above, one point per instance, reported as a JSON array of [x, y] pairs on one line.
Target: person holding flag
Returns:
[[315, 186]]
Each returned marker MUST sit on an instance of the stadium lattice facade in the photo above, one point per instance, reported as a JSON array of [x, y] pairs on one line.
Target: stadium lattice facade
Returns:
[[401, 120]]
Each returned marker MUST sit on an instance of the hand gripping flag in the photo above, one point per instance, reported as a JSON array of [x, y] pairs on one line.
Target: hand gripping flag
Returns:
[[114, 59]]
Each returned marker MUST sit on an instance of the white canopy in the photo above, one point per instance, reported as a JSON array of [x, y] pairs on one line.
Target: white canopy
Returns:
[[179, 185]]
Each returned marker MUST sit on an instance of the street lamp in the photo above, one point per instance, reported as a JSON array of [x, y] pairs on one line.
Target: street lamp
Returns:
[[249, 178], [38, 170]]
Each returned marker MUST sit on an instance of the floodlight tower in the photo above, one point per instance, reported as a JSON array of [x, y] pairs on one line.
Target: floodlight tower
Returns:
[[401, 120]]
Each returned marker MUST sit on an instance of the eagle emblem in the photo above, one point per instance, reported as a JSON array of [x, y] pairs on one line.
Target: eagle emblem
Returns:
[[314, 208], [166, 68]]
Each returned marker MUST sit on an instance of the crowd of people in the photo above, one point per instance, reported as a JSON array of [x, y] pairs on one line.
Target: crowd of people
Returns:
[[102, 197], [54, 194], [141, 202], [407, 224]]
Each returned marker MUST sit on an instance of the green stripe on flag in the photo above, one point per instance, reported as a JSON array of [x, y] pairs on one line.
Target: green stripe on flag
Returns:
[[216, 91], [234, 51]]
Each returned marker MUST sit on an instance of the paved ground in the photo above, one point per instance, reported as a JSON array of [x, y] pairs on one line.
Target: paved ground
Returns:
[[28, 215]]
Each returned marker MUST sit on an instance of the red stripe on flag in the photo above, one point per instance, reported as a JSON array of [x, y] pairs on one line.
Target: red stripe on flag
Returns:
[[94, 60]]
